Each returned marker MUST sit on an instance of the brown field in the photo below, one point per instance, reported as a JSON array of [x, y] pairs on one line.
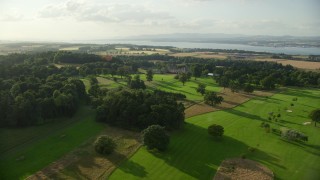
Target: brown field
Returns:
[[85, 163], [230, 100], [298, 64], [294, 63], [201, 55]]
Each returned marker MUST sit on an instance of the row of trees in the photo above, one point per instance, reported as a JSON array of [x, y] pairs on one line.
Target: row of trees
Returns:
[[34, 92], [138, 109]]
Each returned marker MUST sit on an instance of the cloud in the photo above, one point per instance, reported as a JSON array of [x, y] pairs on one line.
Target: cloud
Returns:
[[114, 12], [11, 15]]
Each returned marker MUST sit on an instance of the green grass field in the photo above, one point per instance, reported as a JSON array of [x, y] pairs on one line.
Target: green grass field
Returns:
[[43, 151], [192, 154], [167, 82]]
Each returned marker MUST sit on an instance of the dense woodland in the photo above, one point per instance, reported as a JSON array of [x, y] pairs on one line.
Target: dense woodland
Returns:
[[34, 91]]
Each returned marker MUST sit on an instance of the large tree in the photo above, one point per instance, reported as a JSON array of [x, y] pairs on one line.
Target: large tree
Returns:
[[212, 98], [315, 116], [215, 130], [156, 137], [183, 77], [201, 88], [149, 75], [196, 70], [104, 145]]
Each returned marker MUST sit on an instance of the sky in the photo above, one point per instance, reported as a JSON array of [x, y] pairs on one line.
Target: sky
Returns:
[[68, 20]]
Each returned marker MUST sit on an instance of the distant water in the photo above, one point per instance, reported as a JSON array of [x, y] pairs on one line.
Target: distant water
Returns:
[[285, 50]]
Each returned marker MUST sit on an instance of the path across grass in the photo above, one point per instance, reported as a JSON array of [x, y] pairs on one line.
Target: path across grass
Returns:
[[24, 161], [192, 154]]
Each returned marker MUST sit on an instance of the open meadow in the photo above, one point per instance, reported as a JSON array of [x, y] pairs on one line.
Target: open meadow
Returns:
[[193, 154]]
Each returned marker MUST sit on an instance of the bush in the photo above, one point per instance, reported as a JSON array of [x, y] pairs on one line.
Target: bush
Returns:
[[243, 156], [155, 137], [216, 130], [251, 149], [104, 145]]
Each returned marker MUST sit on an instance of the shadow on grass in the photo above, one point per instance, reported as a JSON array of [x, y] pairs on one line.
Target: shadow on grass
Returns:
[[244, 114], [129, 166], [177, 90], [134, 168], [289, 122], [197, 154], [301, 93]]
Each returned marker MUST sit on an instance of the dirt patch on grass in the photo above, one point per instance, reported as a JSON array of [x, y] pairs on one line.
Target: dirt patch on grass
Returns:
[[85, 163], [230, 100], [242, 169]]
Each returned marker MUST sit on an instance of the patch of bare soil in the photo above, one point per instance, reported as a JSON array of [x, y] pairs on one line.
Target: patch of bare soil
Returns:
[[85, 163], [230, 100], [243, 169]]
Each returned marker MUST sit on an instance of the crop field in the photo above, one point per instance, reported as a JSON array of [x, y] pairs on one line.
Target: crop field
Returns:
[[202, 55], [193, 154], [71, 48], [33, 156], [294, 63]]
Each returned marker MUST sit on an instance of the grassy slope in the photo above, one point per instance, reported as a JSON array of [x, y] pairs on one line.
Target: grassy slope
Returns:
[[51, 147], [192, 154]]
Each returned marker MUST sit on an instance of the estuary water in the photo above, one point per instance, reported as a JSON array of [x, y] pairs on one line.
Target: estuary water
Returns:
[[285, 50]]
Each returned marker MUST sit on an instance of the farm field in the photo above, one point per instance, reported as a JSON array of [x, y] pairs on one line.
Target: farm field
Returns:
[[192, 154], [202, 55], [308, 65], [298, 64], [33, 156]]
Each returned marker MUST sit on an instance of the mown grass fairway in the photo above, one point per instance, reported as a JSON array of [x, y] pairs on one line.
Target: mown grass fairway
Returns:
[[167, 82], [192, 154], [41, 152]]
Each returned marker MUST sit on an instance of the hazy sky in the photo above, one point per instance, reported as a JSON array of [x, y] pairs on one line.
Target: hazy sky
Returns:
[[58, 20]]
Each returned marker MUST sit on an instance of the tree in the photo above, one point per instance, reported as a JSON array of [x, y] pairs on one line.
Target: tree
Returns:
[[201, 88], [183, 77], [136, 83], [315, 116], [104, 145], [223, 81], [149, 75], [248, 88], [212, 98], [216, 130], [234, 86], [196, 71], [268, 82], [155, 137]]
